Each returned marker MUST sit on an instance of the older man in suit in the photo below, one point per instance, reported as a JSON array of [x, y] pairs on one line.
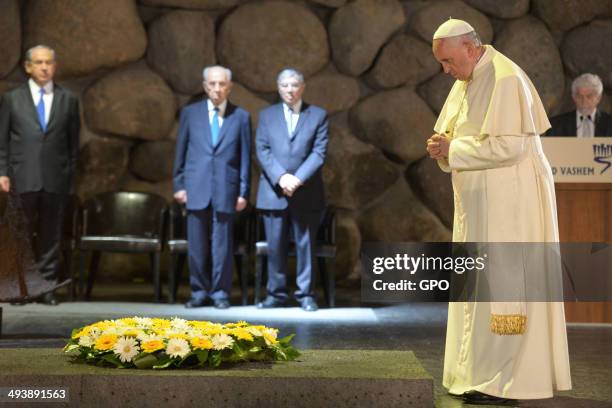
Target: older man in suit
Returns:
[[291, 146], [211, 176], [39, 143], [587, 120]]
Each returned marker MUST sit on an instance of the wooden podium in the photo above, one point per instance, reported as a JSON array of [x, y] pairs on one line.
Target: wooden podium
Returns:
[[584, 208], [585, 215]]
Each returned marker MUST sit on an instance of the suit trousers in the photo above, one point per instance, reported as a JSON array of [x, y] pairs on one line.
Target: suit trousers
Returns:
[[204, 284], [44, 214], [304, 225]]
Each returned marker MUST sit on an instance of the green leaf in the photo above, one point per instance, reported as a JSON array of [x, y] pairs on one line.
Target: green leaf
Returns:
[[69, 347], [214, 359], [164, 364], [111, 358], [287, 339], [145, 361], [202, 356]]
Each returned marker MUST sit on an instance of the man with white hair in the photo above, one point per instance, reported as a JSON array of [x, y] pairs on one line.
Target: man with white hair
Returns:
[[487, 135], [212, 178], [587, 120], [291, 147]]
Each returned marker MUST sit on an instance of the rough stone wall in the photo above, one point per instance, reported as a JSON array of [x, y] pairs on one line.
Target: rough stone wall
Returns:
[[134, 64]]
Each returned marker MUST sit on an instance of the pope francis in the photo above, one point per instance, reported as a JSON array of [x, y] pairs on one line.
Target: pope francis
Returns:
[[487, 136]]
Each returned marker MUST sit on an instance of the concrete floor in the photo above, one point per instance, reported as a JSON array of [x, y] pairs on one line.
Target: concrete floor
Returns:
[[416, 327]]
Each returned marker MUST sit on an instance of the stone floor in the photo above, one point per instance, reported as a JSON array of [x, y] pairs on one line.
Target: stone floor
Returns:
[[351, 325]]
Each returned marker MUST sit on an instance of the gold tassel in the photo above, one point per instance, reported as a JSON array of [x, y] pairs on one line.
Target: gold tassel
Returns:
[[505, 325]]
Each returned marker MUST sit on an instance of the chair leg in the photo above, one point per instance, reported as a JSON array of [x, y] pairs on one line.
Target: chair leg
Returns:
[[155, 257], [329, 282], [259, 265], [171, 279], [93, 271], [244, 273], [82, 260], [69, 274]]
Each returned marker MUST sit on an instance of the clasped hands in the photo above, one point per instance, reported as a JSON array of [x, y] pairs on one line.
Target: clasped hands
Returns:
[[289, 183], [438, 145]]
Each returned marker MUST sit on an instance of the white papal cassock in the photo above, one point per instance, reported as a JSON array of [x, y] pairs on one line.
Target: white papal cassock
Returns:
[[504, 192]]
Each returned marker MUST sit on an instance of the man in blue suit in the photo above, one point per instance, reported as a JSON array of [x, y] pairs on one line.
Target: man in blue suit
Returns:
[[291, 145], [211, 175]]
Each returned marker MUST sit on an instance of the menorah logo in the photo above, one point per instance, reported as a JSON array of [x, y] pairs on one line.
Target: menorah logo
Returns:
[[603, 155]]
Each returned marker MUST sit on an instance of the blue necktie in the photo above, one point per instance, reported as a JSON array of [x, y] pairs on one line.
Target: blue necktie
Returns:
[[40, 108], [214, 128]]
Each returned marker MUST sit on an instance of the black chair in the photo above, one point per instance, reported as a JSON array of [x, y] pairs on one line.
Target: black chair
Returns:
[[325, 249], [123, 222], [71, 230], [177, 245]]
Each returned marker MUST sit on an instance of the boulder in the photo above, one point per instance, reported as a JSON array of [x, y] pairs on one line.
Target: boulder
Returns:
[[563, 15], [398, 216], [153, 161], [433, 187], [10, 36], [181, 44], [193, 4], [501, 9], [102, 163], [359, 29], [87, 35], [398, 122], [248, 101], [332, 91], [259, 39], [587, 49], [404, 60], [427, 19], [435, 91], [133, 102], [355, 173], [539, 59]]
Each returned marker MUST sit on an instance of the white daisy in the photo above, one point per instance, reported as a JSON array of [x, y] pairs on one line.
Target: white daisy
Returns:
[[254, 331], [126, 348], [86, 341], [143, 322], [94, 333], [177, 348], [179, 324], [222, 341], [144, 337], [270, 335]]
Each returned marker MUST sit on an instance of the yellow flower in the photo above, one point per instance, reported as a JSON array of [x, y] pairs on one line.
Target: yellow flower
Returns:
[[152, 345], [242, 334], [84, 332], [106, 341], [212, 330], [202, 343], [161, 323], [128, 321], [270, 336], [132, 332], [178, 336]]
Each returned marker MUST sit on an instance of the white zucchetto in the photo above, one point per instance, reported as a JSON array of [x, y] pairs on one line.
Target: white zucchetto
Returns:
[[452, 28]]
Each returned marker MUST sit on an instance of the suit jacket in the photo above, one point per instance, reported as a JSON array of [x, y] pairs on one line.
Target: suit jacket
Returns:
[[302, 155], [217, 175], [565, 124], [33, 159]]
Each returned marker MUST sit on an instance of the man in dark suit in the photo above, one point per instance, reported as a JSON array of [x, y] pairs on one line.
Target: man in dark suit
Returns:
[[39, 143], [291, 146], [586, 120], [211, 175]]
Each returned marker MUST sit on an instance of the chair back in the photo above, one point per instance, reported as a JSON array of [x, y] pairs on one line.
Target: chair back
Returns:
[[124, 214]]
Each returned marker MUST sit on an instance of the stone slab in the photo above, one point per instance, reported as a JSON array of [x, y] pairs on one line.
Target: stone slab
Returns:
[[339, 378]]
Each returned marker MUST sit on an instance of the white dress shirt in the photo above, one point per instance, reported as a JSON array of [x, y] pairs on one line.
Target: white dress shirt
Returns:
[[585, 124], [211, 112], [292, 115], [47, 98]]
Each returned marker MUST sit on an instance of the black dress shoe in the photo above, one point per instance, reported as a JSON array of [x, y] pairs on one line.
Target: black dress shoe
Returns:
[[271, 302], [309, 304], [192, 303], [49, 299], [479, 398], [221, 304]]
